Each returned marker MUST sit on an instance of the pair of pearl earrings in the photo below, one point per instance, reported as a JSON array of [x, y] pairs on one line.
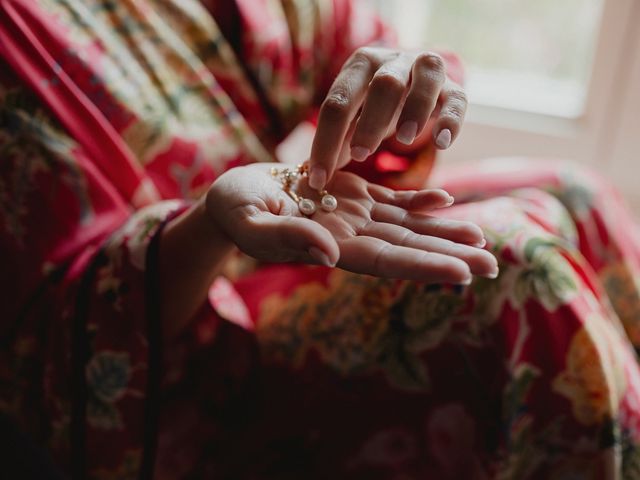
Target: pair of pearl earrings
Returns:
[[290, 178]]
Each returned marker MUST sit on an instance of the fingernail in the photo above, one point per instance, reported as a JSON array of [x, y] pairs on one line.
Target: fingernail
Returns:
[[450, 201], [317, 178], [443, 140], [407, 132], [321, 257], [493, 274], [360, 154], [466, 281], [481, 244]]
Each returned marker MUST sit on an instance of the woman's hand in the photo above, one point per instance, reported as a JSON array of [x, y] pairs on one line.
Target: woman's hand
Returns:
[[380, 92], [374, 230]]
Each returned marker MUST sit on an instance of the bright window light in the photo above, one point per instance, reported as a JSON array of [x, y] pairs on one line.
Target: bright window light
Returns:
[[532, 55]]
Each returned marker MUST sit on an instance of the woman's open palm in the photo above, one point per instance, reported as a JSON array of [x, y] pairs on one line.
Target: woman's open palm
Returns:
[[374, 230]]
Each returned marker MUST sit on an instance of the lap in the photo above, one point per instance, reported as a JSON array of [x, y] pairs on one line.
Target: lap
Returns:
[[352, 376]]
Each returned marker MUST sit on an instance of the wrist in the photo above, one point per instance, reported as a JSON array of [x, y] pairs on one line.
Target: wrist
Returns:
[[208, 216], [195, 236], [208, 225], [193, 250]]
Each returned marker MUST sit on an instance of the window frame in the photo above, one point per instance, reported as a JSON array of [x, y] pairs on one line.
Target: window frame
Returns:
[[605, 136], [501, 131]]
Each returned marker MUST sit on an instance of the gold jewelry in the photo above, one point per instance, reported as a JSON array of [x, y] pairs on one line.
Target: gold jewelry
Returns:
[[290, 178]]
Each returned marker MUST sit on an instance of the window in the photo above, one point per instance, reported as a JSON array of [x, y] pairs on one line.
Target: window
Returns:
[[528, 55], [545, 78]]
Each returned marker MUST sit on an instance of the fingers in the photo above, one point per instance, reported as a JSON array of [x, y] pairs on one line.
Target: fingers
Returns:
[[411, 199], [427, 78], [280, 238], [451, 117], [384, 97], [373, 256], [336, 114], [454, 230], [479, 261], [387, 85]]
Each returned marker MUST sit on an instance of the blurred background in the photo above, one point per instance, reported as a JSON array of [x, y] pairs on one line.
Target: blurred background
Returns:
[[546, 78]]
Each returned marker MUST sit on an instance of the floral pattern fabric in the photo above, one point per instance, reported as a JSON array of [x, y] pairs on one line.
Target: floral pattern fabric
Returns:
[[114, 115]]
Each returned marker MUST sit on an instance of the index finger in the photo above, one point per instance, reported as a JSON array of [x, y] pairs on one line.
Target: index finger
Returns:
[[336, 115]]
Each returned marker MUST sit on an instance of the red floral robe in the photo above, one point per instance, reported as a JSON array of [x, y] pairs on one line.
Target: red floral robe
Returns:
[[115, 114]]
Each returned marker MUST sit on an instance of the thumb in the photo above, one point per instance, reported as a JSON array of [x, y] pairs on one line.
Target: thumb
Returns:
[[280, 237]]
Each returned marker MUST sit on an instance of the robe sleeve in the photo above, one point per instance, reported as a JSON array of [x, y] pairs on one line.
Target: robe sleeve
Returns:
[[80, 353]]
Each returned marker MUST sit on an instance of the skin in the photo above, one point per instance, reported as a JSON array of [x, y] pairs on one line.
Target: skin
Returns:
[[374, 231], [381, 93]]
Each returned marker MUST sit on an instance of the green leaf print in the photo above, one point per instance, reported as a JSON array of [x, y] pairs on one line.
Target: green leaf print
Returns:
[[548, 277]]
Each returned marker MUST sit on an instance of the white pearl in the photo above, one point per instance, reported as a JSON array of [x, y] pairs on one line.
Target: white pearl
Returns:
[[329, 203], [306, 206]]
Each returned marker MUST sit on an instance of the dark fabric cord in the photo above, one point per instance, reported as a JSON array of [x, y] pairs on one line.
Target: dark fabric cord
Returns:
[[154, 375]]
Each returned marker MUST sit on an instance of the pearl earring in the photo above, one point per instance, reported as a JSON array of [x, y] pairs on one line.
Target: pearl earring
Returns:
[[289, 180], [328, 202]]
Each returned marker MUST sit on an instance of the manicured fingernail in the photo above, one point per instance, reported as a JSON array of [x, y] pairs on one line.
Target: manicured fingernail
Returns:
[[443, 140], [407, 132], [450, 201], [360, 154], [493, 274], [317, 178], [481, 244], [320, 257]]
